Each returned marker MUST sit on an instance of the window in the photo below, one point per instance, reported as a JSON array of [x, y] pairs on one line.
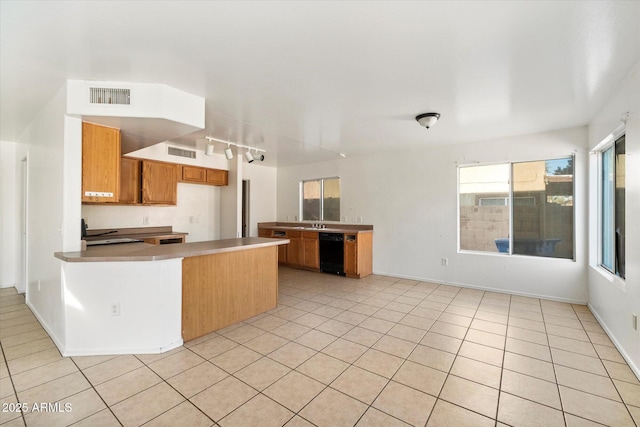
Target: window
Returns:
[[321, 199], [612, 202], [523, 208]]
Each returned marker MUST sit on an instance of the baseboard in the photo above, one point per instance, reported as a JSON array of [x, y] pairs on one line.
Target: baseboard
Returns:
[[635, 368], [486, 288], [47, 329], [129, 350]]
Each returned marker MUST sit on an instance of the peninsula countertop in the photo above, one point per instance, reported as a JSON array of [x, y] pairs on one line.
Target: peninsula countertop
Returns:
[[147, 252]]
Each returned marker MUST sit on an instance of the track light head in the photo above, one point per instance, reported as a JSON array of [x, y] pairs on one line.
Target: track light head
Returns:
[[249, 157], [209, 149], [228, 153]]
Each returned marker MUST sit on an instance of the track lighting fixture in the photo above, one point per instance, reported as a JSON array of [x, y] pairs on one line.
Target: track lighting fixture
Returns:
[[209, 149], [228, 153], [427, 119]]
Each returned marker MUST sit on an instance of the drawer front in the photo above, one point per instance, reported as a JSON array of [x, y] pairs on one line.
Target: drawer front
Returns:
[[310, 235]]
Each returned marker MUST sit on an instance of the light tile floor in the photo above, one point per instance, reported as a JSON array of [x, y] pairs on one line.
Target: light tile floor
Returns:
[[379, 351]]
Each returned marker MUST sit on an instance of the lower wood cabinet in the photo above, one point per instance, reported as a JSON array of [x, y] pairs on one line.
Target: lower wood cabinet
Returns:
[[310, 250], [221, 289], [358, 254], [303, 250], [294, 249]]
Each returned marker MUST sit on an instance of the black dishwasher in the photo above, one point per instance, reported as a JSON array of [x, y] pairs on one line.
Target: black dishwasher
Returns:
[[332, 253]]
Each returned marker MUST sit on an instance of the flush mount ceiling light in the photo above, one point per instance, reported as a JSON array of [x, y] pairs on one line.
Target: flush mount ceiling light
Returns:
[[427, 119]]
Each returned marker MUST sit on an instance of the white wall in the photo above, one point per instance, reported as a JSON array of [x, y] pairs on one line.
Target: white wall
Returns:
[[149, 298], [8, 215], [44, 141], [613, 300], [262, 194], [410, 198]]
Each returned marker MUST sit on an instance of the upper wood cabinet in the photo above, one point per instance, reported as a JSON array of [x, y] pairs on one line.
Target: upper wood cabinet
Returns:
[[100, 163], [129, 180], [159, 183], [193, 174], [200, 175], [217, 177]]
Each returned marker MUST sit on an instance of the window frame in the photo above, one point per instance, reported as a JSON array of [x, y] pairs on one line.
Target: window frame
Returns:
[[511, 203], [607, 144], [321, 201]]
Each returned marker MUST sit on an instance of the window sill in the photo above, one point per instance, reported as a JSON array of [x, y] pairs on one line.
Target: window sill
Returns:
[[514, 256], [615, 280]]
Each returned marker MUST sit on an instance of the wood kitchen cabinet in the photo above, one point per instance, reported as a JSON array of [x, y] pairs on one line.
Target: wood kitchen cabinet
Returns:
[[358, 254], [200, 175], [100, 163], [294, 249], [217, 177], [129, 180], [303, 249], [159, 183], [193, 174], [310, 250]]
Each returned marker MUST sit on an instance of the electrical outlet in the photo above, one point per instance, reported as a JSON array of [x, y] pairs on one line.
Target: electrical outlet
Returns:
[[145, 220], [115, 309], [445, 262]]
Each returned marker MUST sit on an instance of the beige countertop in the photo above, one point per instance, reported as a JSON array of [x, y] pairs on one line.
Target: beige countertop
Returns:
[[328, 228], [148, 252]]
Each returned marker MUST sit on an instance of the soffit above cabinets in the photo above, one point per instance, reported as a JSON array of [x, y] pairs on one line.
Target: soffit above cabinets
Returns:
[[146, 114]]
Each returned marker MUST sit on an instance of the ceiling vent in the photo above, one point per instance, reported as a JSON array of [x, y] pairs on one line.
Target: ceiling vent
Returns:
[[182, 153], [109, 96]]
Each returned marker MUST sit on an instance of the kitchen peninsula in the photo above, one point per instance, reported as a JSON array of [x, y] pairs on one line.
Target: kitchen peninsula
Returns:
[[144, 298]]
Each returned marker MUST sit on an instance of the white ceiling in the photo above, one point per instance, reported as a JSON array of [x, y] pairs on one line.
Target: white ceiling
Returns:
[[308, 80]]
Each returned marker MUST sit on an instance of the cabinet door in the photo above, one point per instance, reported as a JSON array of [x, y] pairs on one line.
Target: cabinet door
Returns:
[[310, 250], [159, 183], [294, 251], [282, 254], [194, 174], [217, 177], [350, 254], [129, 180], [100, 163]]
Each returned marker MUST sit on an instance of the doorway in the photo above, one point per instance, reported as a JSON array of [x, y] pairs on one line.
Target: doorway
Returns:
[[245, 208]]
